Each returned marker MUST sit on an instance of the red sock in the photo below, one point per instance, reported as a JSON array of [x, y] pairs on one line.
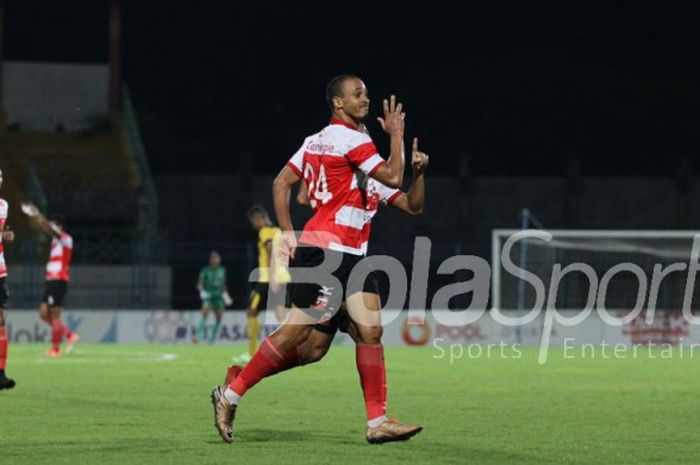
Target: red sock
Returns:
[[370, 366], [267, 361], [3, 347], [58, 330]]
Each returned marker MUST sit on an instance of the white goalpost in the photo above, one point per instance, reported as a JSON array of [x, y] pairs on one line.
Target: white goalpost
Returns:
[[660, 257]]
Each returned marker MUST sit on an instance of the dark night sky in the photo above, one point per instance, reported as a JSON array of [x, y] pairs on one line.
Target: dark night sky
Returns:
[[519, 87]]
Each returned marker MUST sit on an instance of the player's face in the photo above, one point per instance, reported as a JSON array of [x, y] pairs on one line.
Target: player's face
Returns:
[[214, 260], [355, 99], [257, 221]]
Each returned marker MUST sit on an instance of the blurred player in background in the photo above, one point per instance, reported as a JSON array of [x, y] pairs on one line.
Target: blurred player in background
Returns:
[[273, 275], [214, 294], [5, 236], [334, 163], [57, 278]]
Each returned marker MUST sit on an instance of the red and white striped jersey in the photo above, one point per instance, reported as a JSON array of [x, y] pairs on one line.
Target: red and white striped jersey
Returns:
[[3, 219], [336, 165], [59, 260]]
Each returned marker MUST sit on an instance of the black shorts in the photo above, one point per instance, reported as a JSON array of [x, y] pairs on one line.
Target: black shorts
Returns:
[[316, 299], [259, 297], [4, 293], [55, 292], [339, 321]]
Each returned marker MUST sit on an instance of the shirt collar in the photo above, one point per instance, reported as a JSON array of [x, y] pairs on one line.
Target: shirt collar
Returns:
[[335, 120]]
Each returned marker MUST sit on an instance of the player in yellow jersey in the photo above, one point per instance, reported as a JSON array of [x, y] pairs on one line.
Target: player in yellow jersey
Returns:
[[273, 276]]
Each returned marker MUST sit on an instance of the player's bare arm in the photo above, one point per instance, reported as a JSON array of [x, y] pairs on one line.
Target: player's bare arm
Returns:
[[303, 195], [281, 191], [49, 227], [273, 263], [412, 202], [391, 173]]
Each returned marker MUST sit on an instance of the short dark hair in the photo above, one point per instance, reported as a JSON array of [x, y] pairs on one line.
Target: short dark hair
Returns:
[[335, 88], [256, 209]]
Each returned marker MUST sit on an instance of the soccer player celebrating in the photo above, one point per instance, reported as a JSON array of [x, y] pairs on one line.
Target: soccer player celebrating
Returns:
[[214, 294], [319, 341], [5, 236], [335, 164], [57, 278], [273, 275]]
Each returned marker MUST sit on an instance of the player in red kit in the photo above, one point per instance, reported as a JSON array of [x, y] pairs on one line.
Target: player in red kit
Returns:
[[5, 237], [336, 165], [57, 278], [319, 341]]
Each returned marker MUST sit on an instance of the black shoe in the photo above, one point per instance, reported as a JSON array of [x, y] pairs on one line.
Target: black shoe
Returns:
[[6, 383]]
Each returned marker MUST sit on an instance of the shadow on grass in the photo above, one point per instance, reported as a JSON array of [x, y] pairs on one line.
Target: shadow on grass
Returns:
[[273, 435]]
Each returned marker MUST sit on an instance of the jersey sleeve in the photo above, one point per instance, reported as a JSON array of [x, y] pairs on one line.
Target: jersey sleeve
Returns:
[[363, 154], [296, 163], [387, 194], [67, 240], [266, 235]]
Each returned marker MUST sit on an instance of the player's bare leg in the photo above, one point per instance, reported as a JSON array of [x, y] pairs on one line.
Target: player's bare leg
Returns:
[[70, 336], [364, 308], [276, 353], [314, 348], [5, 382], [59, 330], [201, 326], [252, 328], [281, 313], [44, 313]]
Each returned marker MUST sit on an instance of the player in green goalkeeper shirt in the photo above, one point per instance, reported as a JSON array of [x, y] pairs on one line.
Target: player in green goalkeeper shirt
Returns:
[[214, 294]]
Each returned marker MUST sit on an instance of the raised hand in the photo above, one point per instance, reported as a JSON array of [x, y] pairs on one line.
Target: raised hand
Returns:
[[393, 121], [29, 209], [419, 160]]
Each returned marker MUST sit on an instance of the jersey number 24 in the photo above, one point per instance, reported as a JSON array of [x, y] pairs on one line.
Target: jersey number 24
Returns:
[[317, 185]]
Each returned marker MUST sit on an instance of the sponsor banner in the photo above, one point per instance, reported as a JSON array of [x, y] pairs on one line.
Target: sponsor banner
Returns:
[[417, 331], [401, 329], [171, 326], [92, 325]]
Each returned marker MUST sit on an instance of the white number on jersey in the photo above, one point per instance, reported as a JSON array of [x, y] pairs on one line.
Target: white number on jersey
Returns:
[[318, 191]]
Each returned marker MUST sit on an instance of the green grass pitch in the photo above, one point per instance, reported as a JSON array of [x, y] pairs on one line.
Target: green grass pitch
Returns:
[[150, 405]]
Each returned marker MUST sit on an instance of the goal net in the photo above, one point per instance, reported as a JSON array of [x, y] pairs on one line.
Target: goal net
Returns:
[[630, 265]]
